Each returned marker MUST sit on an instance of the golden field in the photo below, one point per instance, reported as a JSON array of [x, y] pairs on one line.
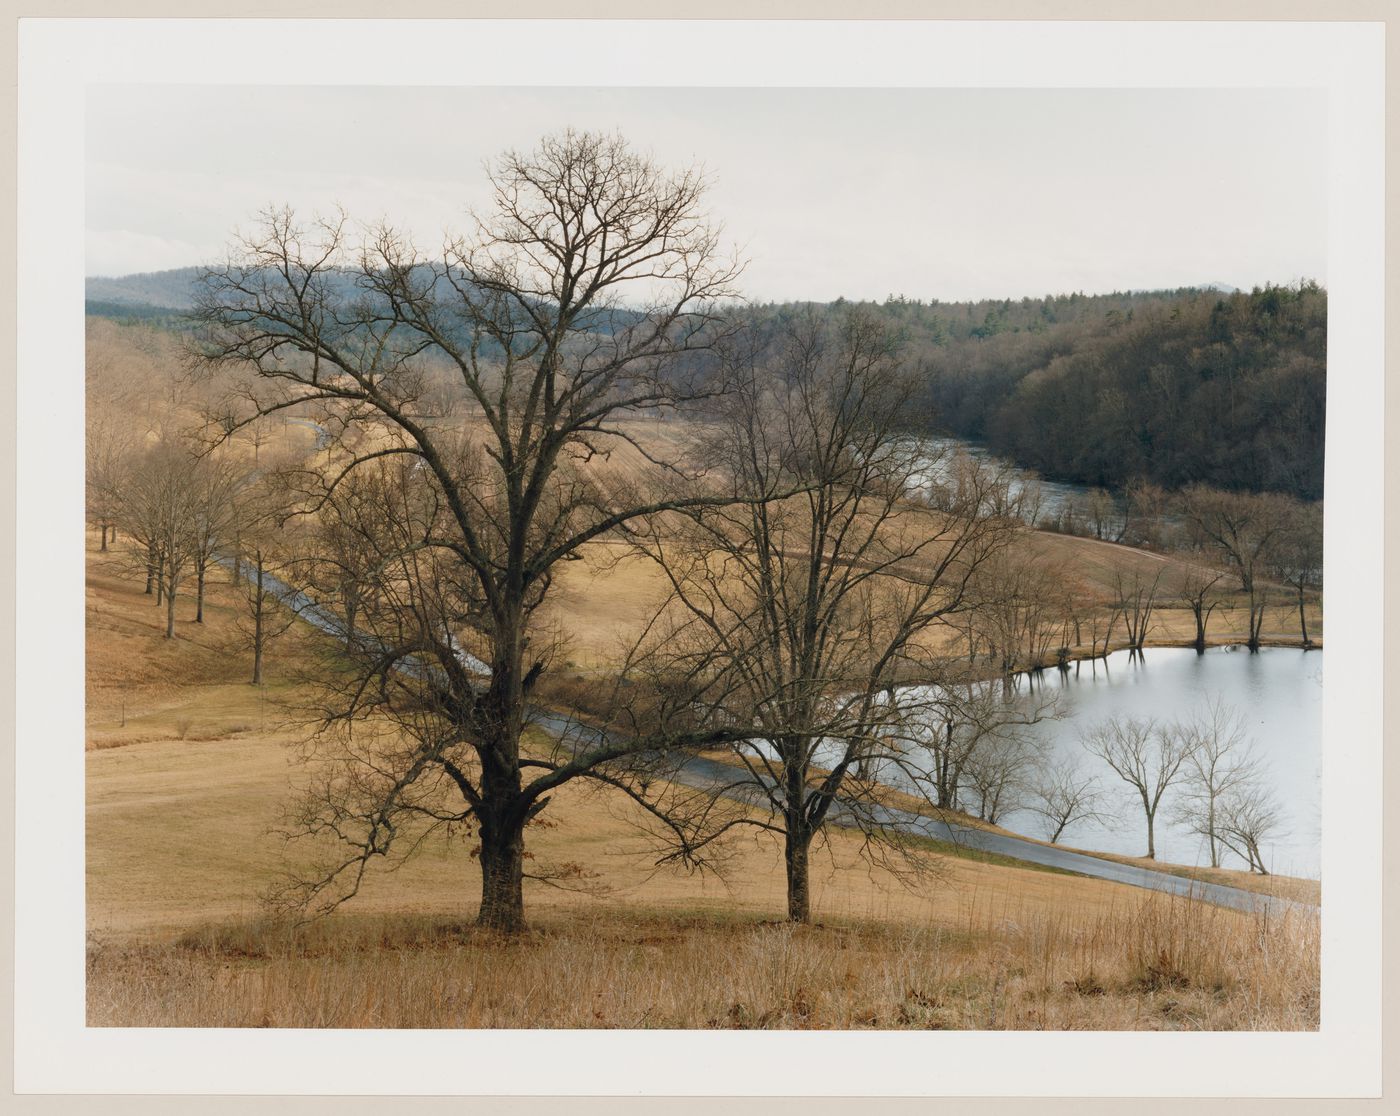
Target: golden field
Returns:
[[188, 766]]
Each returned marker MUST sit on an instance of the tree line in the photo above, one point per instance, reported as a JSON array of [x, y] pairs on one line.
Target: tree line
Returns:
[[1168, 387]]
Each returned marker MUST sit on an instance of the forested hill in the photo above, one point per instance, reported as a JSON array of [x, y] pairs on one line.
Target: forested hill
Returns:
[[168, 290], [1173, 387]]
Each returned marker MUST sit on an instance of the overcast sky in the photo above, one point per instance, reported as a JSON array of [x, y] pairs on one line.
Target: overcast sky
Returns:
[[859, 193]]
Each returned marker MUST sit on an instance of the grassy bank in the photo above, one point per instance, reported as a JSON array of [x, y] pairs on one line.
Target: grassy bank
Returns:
[[1151, 964]]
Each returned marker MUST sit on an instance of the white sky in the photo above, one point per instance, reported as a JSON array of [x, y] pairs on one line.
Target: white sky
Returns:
[[932, 193]]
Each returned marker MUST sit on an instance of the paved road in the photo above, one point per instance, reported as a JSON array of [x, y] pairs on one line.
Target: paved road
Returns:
[[706, 774]]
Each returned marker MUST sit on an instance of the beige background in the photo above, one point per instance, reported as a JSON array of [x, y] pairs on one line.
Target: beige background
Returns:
[[1368, 10]]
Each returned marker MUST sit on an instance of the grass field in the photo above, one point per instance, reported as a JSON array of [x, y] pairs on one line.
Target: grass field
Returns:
[[188, 766]]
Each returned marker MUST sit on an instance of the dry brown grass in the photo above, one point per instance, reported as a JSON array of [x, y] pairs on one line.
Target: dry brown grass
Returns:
[[1152, 964], [187, 769]]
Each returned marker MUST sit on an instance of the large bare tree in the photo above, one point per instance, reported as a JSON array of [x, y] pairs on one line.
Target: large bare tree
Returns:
[[583, 295], [799, 616]]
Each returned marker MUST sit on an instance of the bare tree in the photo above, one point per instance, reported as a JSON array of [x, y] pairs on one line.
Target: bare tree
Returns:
[[215, 515], [1108, 516], [1221, 765], [1064, 794], [972, 733], [270, 557], [1001, 770], [1196, 590], [1248, 817], [159, 506], [1146, 508], [109, 450], [1017, 611], [1146, 755], [1298, 561], [799, 616], [590, 279], [1245, 530], [1136, 599]]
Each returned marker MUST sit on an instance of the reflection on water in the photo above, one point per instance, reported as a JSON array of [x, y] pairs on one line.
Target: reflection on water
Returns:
[[1278, 694]]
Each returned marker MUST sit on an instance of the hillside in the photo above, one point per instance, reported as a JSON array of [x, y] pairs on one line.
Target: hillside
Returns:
[[1173, 387], [172, 290], [1195, 385]]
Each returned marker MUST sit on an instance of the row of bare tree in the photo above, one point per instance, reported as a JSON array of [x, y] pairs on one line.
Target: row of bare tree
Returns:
[[1225, 797], [183, 513]]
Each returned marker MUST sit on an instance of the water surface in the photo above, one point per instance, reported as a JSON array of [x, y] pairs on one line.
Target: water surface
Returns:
[[1278, 694]]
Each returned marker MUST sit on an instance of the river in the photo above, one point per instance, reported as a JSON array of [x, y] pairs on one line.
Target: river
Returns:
[[1039, 499]]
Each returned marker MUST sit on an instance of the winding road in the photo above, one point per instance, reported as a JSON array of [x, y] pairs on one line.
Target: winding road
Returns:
[[706, 774]]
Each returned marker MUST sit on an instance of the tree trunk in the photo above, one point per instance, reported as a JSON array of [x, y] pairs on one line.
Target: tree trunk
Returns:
[[352, 609], [1256, 620], [199, 596], [104, 537], [1302, 618], [1151, 842], [799, 890], [258, 625], [502, 884], [170, 611]]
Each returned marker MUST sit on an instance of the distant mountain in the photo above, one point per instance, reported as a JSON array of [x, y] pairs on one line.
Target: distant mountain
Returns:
[[1216, 285], [173, 290]]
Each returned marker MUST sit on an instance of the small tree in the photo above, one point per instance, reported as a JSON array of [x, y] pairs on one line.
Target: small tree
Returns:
[[217, 498], [1064, 794], [971, 737], [262, 511], [1136, 599], [1196, 590], [109, 451], [1221, 766], [1298, 561], [1017, 610], [159, 509], [1147, 756], [1107, 515], [1001, 770], [1248, 817], [1246, 531]]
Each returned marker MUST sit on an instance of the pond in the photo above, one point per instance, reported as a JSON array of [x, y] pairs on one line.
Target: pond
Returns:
[[1278, 695]]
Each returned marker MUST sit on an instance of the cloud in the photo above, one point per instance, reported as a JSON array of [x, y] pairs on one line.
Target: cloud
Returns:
[[113, 252]]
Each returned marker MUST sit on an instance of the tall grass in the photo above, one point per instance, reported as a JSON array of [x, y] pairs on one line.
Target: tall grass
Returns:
[[1161, 963]]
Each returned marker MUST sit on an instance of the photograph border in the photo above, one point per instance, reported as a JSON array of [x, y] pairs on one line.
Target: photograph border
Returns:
[[42, 404]]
